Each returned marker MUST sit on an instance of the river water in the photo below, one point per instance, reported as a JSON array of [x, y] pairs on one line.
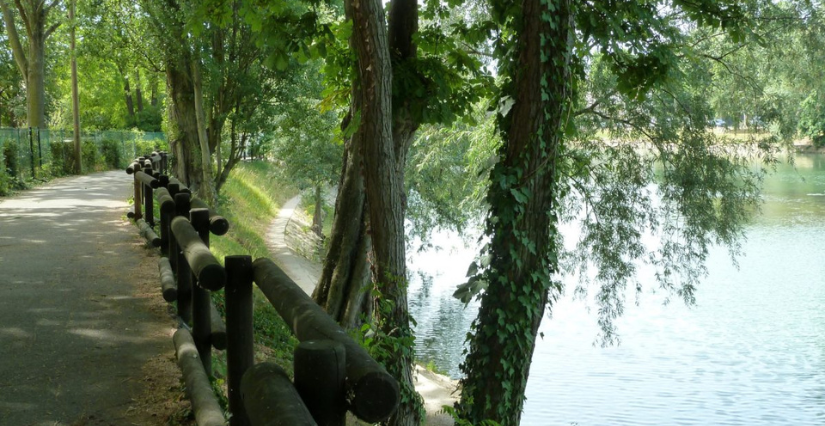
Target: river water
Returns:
[[751, 352]]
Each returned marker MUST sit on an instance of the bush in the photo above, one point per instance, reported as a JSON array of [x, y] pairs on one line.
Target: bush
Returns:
[[812, 119], [112, 154], [10, 160], [92, 160], [146, 146], [62, 158]]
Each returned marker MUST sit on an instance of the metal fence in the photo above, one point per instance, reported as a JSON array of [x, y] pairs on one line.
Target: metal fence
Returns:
[[27, 153]]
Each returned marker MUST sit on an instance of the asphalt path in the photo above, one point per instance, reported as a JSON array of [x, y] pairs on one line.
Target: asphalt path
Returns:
[[74, 328]]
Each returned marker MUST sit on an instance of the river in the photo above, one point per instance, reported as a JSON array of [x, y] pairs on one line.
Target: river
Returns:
[[751, 352]]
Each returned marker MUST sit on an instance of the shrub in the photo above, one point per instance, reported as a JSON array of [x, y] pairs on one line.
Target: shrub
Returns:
[[10, 159], [112, 154], [62, 154], [92, 160]]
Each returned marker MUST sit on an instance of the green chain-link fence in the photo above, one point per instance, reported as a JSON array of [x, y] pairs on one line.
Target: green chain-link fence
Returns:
[[27, 153]]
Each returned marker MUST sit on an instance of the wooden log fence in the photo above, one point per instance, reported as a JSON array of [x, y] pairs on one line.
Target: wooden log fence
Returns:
[[333, 373]]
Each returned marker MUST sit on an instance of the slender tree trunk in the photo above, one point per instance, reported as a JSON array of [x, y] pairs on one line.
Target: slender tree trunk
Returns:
[[206, 189], [138, 90], [127, 95], [318, 216], [153, 90], [522, 249], [78, 167]]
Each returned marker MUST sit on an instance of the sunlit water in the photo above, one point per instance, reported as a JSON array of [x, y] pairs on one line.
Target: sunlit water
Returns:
[[752, 352]]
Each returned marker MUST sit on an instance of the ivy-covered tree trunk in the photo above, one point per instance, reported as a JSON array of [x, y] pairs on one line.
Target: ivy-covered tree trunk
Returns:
[[521, 223]]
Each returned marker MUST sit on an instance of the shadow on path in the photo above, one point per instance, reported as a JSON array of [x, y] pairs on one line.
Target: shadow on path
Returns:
[[74, 329]]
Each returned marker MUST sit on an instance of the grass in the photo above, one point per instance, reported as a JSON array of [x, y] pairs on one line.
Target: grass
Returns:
[[250, 200], [309, 209]]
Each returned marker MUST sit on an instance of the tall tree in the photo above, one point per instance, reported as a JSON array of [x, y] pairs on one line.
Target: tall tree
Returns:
[[31, 63], [78, 167], [543, 48]]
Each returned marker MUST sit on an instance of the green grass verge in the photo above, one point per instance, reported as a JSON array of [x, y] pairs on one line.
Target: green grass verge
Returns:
[[250, 200]]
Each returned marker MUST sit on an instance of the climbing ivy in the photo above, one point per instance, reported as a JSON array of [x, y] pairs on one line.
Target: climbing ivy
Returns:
[[546, 166]]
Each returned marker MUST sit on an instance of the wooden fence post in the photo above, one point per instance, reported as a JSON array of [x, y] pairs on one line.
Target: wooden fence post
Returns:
[[271, 400], [138, 201], [167, 211], [183, 271], [320, 369], [201, 306], [148, 200], [173, 243], [239, 347]]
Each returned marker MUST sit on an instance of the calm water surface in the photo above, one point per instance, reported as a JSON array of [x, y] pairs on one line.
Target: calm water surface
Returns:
[[752, 352]]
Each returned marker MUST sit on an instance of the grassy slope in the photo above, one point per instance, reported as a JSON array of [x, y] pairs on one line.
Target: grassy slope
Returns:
[[250, 200]]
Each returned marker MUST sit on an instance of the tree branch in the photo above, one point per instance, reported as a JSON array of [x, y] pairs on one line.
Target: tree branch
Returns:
[[24, 17], [594, 105], [51, 30], [14, 39], [51, 5]]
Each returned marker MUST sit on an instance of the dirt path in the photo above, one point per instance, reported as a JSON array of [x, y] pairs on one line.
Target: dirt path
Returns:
[[437, 390], [81, 320]]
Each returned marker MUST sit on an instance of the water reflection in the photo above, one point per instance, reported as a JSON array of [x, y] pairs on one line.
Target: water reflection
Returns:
[[751, 353]]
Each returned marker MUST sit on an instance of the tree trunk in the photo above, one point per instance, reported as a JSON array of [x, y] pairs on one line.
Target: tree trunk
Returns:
[[32, 65], [384, 187], [342, 288], [522, 249], [318, 216], [127, 94], [183, 122], [138, 91], [153, 90], [36, 81], [78, 167], [206, 190]]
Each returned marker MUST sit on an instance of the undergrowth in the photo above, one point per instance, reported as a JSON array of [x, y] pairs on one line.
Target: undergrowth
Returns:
[[250, 200]]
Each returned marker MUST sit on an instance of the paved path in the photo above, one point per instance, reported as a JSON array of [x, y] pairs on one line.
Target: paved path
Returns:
[[74, 329], [301, 270]]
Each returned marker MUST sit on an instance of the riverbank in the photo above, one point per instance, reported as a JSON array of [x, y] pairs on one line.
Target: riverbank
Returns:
[[291, 228]]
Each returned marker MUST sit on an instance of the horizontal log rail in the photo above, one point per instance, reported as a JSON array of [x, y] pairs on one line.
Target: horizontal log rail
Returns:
[[333, 373], [205, 266]]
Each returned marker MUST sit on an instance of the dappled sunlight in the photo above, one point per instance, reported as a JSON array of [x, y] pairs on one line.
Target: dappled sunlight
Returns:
[[69, 269], [15, 332], [108, 336]]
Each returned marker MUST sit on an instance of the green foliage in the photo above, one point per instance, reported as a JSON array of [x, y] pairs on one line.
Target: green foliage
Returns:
[[249, 202], [92, 159], [447, 172], [62, 154], [113, 157], [10, 158], [459, 421], [812, 119], [390, 344]]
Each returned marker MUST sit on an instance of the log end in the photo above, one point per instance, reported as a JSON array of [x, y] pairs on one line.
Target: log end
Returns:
[[376, 397], [170, 294], [212, 277], [218, 225]]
